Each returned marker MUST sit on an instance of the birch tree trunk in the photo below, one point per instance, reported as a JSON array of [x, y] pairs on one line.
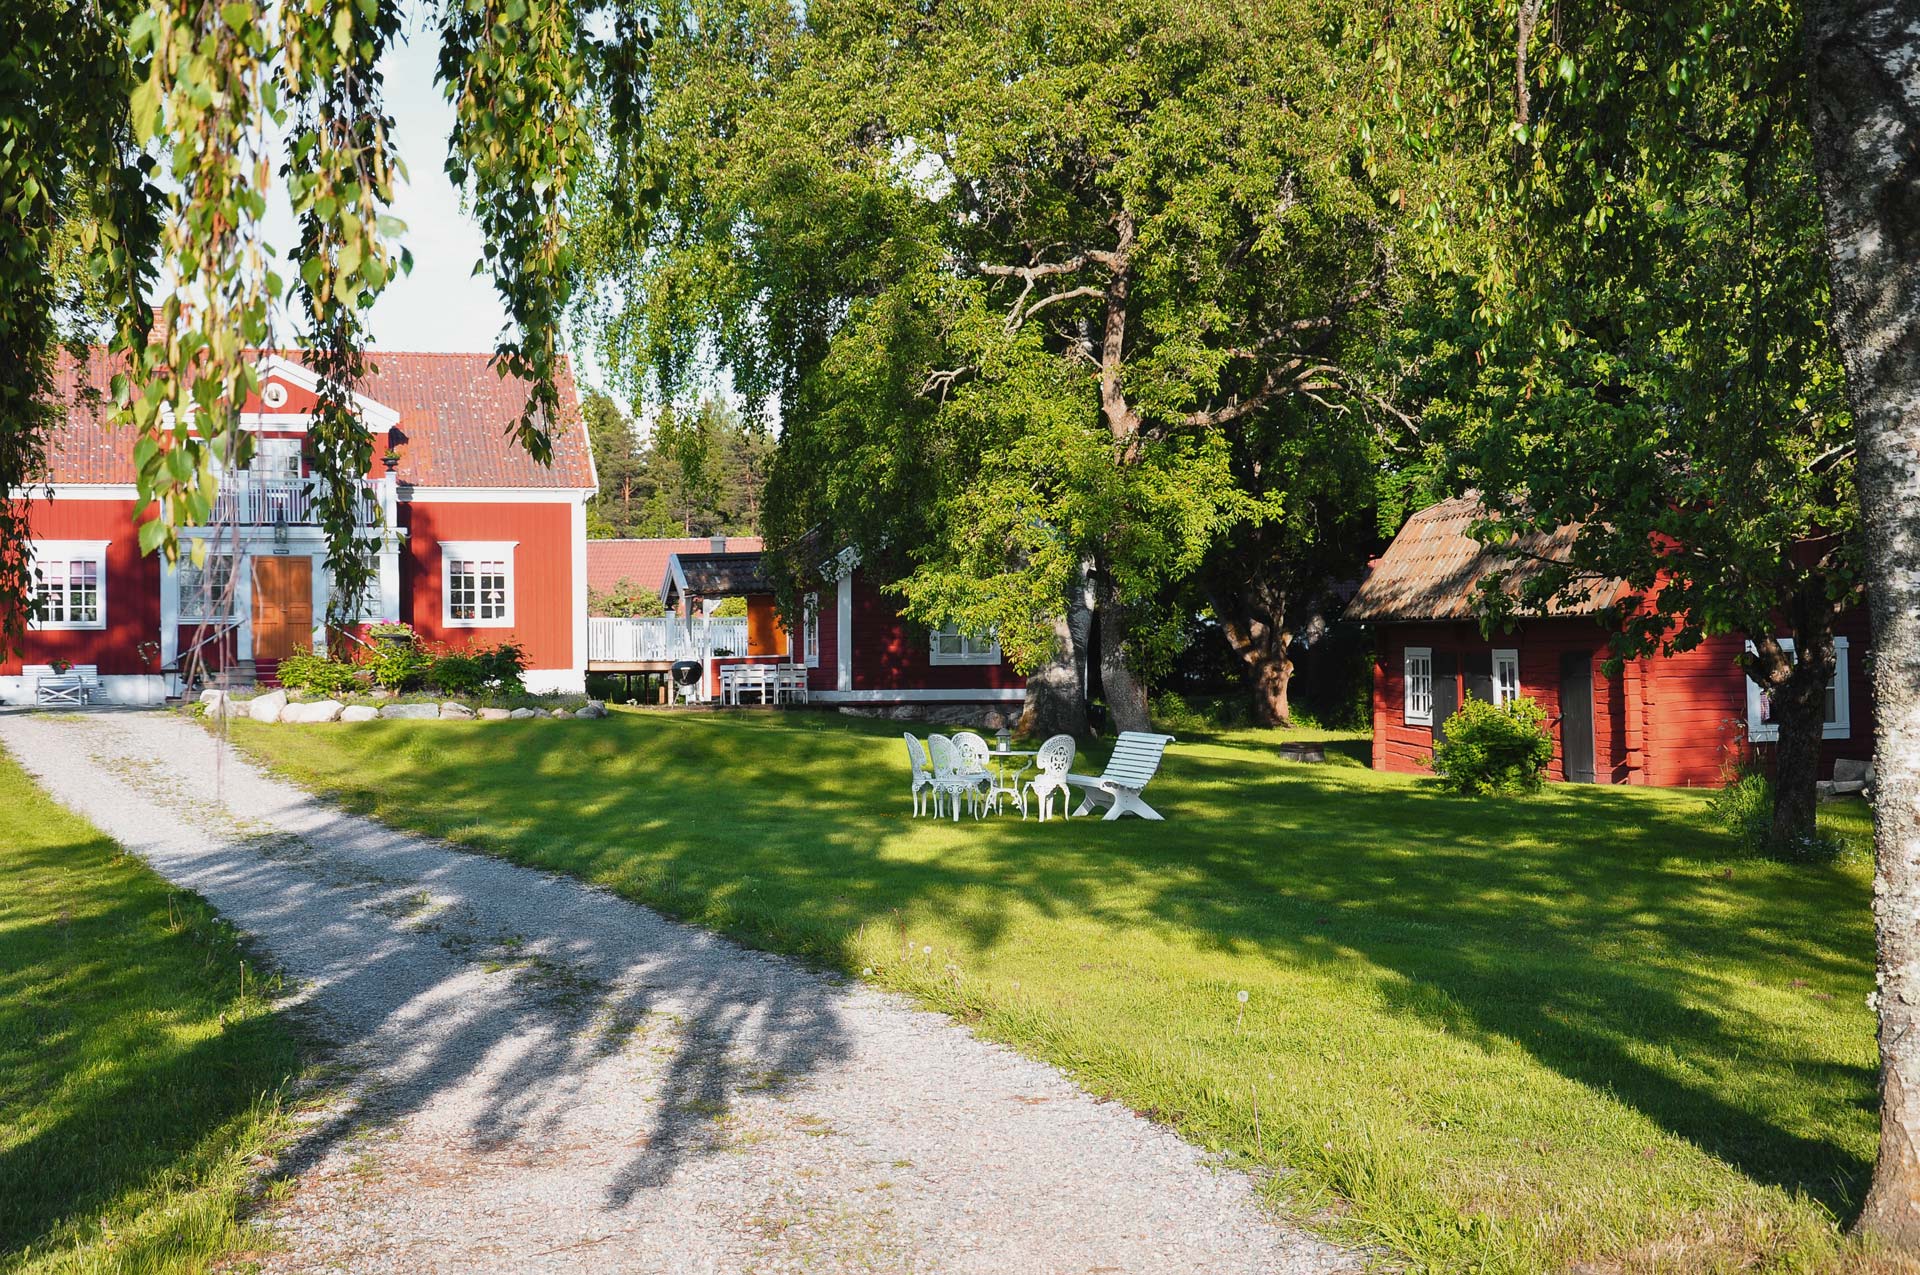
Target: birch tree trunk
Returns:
[[1864, 70]]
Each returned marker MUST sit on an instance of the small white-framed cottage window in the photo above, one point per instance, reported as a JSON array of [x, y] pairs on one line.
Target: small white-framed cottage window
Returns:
[[810, 629], [477, 583], [950, 646], [206, 591], [1837, 721], [70, 584], [1417, 667], [1506, 676]]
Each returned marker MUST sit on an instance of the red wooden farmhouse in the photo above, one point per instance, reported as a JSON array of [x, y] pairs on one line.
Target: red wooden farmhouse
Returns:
[[476, 543], [1681, 719]]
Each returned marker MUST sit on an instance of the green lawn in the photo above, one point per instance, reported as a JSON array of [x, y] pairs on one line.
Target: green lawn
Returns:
[[1502, 1036], [138, 1082]]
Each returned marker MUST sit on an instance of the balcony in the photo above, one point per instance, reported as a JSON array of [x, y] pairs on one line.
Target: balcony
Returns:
[[255, 500]]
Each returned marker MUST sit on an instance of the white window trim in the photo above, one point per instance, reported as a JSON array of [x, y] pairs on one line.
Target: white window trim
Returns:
[[810, 629], [67, 551], [1507, 656], [938, 659], [452, 551], [1841, 727], [190, 597], [1416, 715]]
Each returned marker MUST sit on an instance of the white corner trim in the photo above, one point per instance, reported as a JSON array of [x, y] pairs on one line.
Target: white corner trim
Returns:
[[843, 636], [578, 532], [980, 695]]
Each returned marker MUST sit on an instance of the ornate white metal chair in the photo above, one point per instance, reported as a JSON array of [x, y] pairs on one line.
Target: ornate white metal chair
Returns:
[[955, 777], [977, 757], [923, 790], [1054, 759]]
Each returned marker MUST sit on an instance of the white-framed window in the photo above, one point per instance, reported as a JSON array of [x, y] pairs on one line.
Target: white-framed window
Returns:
[[1417, 674], [1506, 677], [206, 591], [70, 584], [476, 579], [1837, 723], [276, 458], [950, 646], [810, 629]]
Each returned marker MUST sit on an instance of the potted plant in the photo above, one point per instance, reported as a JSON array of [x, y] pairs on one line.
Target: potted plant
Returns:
[[391, 633], [61, 667], [391, 459]]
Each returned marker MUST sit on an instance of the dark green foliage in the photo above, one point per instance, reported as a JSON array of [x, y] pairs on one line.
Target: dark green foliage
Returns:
[[397, 666], [626, 598], [699, 472], [1745, 809], [479, 670], [318, 674], [1494, 751]]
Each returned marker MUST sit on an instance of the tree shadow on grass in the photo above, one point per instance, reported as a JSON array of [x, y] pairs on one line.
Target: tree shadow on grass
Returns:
[[1595, 929]]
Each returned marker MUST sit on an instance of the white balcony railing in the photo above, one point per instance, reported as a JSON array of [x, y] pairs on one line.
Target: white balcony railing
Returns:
[[653, 640], [253, 500]]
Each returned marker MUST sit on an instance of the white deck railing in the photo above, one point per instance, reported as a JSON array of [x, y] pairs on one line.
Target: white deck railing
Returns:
[[617, 640], [252, 500]]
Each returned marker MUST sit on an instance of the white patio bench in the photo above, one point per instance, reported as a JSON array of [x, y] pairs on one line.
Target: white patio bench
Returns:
[[75, 687], [1136, 758]]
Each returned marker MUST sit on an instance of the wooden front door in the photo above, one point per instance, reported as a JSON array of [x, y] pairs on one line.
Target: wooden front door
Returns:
[[282, 606], [1576, 716]]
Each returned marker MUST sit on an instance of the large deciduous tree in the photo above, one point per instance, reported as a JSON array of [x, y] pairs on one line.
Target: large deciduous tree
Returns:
[[1015, 277], [143, 126], [1860, 56], [1649, 355]]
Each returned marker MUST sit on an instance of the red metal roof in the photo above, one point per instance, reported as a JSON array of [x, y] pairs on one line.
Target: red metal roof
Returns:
[[455, 413], [643, 563]]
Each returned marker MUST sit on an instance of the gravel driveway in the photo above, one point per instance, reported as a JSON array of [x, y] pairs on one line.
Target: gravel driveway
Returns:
[[549, 1078]]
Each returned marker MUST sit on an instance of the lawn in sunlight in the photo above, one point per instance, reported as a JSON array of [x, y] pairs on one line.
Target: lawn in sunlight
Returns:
[[141, 1078], [1489, 1035]]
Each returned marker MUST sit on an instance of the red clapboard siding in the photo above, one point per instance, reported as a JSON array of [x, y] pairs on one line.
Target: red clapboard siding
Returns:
[[542, 574], [132, 586], [891, 654]]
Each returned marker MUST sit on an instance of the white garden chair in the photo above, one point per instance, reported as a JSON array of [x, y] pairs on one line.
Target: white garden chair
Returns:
[[1135, 761], [922, 774], [1055, 759], [980, 760], [954, 776]]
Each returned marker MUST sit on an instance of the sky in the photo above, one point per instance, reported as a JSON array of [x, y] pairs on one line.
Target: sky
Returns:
[[442, 305]]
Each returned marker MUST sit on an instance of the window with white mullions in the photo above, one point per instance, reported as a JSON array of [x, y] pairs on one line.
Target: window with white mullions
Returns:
[[70, 584], [477, 581], [206, 591], [1417, 670], [1837, 717], [948, 645], [1506, 677], [810, 629]]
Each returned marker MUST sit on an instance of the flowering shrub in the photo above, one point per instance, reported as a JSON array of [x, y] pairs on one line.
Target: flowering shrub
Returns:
[[1494, 751]]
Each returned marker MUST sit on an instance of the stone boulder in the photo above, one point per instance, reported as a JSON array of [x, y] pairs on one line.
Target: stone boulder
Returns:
[[592, 708], [218, 702], [409, 712], [359, 713], [326, 710], [494, 714], [561, 712], [453, 712], [268, 707], [522, 714]]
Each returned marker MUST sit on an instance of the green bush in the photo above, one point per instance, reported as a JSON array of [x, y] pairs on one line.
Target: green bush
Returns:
[[1745, 809], [397, 667], [318, 674], [476, 671], [1491, 750]]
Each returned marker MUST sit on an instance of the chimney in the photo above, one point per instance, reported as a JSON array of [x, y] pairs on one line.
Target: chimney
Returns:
[[718, 544]]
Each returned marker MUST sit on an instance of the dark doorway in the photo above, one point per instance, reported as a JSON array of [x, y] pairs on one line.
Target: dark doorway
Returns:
[[1446, 691], [1576, 716], [1478, 667]]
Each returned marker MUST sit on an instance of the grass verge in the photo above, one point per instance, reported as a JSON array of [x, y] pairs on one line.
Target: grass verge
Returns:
[[143, 1072], [1494, 1036]]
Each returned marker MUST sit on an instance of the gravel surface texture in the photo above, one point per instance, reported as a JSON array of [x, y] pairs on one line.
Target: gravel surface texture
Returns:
[[544, 1077]]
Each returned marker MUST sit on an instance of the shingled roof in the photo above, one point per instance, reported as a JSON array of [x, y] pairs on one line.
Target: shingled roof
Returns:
[[715, 575], [1433, 570], [455, 411], [643, 563]]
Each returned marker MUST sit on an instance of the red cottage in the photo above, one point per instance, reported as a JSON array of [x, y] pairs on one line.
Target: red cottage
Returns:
[[1679, 719], [476, 542]]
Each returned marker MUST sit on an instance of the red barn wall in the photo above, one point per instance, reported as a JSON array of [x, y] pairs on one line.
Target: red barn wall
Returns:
[[132, 584], [891, 654], [542, 573]]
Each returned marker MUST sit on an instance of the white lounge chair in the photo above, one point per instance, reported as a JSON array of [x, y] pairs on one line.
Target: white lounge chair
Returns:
[[922, 773], [1055, 760], [1136, 758], [954, 776]]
